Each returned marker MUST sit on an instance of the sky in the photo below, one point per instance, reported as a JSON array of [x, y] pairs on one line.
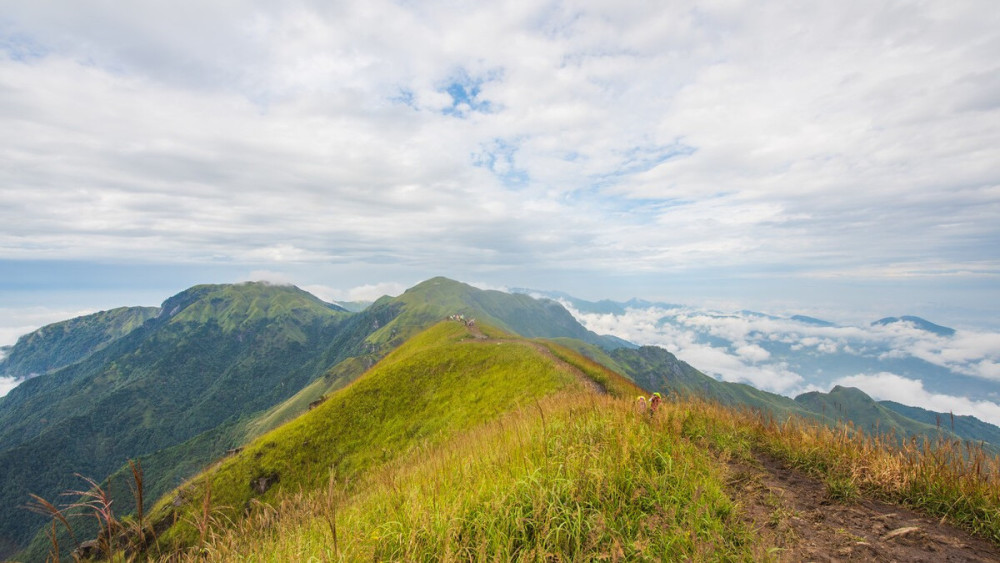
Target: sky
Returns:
[[839, 159]]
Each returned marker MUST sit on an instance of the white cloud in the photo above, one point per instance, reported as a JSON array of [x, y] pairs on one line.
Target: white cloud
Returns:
[[366, 292], [6, 384], [831, 139], [752, 353], [747, 347], [911, 392], [270, 276], [18, 321]]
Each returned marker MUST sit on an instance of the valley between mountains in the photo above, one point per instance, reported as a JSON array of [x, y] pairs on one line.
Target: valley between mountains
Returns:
[[452, 423]]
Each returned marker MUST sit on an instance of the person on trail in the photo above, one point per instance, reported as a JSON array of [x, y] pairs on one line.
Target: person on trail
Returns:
[[640, 404], [654, 402]]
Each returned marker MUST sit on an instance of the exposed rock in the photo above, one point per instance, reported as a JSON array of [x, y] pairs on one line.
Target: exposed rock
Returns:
[[263, 483], [87, 550]]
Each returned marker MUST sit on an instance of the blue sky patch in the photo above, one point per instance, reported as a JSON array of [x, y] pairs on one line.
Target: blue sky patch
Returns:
[[499, 158], [465, 91], [21, 48]]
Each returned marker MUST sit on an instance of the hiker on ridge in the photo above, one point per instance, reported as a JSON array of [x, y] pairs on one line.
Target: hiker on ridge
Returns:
[[654, 402]]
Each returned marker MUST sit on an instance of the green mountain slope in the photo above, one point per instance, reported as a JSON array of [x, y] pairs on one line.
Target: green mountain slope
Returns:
[[439, 297], [380, 328], [358, 342], [457, 446], [60, 344], [444, 380], [967, 427], [847, 404], [215, 353], [222, 365]]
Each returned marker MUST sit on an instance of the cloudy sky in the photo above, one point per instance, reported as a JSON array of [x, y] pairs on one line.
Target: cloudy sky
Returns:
[[832, 158]]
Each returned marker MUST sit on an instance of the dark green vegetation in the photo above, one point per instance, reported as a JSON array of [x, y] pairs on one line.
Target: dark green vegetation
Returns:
[[221, 366], [213, 354]]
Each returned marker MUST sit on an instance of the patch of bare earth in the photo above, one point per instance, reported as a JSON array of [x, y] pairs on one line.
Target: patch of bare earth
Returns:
[[794, 513]]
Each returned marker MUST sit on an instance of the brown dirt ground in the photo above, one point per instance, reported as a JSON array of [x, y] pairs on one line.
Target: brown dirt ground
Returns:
[[794, 513]]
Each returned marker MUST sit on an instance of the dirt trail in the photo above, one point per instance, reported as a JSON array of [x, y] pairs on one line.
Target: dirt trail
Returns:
[[794, 513]]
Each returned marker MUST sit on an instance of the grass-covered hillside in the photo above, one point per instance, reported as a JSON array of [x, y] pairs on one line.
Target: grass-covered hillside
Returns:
[[431, 300], [447, 379], [474, 444], [174, 377], [313, 391], [217, 366]]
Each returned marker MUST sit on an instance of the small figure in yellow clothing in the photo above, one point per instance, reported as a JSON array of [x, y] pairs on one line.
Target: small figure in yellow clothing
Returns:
[[654, 402], [640, 404]]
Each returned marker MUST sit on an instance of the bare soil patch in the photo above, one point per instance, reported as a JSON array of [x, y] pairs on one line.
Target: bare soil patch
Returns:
[[794, 513]]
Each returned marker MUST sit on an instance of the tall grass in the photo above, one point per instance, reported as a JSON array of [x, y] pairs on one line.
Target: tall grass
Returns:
[[589, 479], [577, 476], [125, 537], [958, 481]]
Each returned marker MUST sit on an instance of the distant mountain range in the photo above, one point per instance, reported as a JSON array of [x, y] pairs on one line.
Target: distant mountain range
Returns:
[[217, 365], [794, 354]]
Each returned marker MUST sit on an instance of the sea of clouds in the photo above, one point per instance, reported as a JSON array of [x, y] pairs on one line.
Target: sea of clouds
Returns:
[[789, 357]]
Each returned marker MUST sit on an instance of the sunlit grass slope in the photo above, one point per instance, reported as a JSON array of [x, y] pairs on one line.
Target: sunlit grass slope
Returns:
[[467, 446], [579, 476], [443, 380], [573, 477]]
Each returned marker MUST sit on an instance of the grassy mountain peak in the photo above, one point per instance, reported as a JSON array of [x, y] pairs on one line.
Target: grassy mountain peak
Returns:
[[521, 314], [237, 305], [214, 354]]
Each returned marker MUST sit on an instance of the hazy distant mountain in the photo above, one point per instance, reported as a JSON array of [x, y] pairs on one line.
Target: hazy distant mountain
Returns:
[[354, 306], [791, 354], [655, 369], [60, 344], [922, 324], [810, 320], [968, 427]]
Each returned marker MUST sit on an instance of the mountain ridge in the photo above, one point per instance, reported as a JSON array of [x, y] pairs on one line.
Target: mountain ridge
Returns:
[[269, 325], [261, 331]]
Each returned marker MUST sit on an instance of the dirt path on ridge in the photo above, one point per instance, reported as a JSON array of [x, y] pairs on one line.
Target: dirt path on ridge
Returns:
[[793, 512]]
